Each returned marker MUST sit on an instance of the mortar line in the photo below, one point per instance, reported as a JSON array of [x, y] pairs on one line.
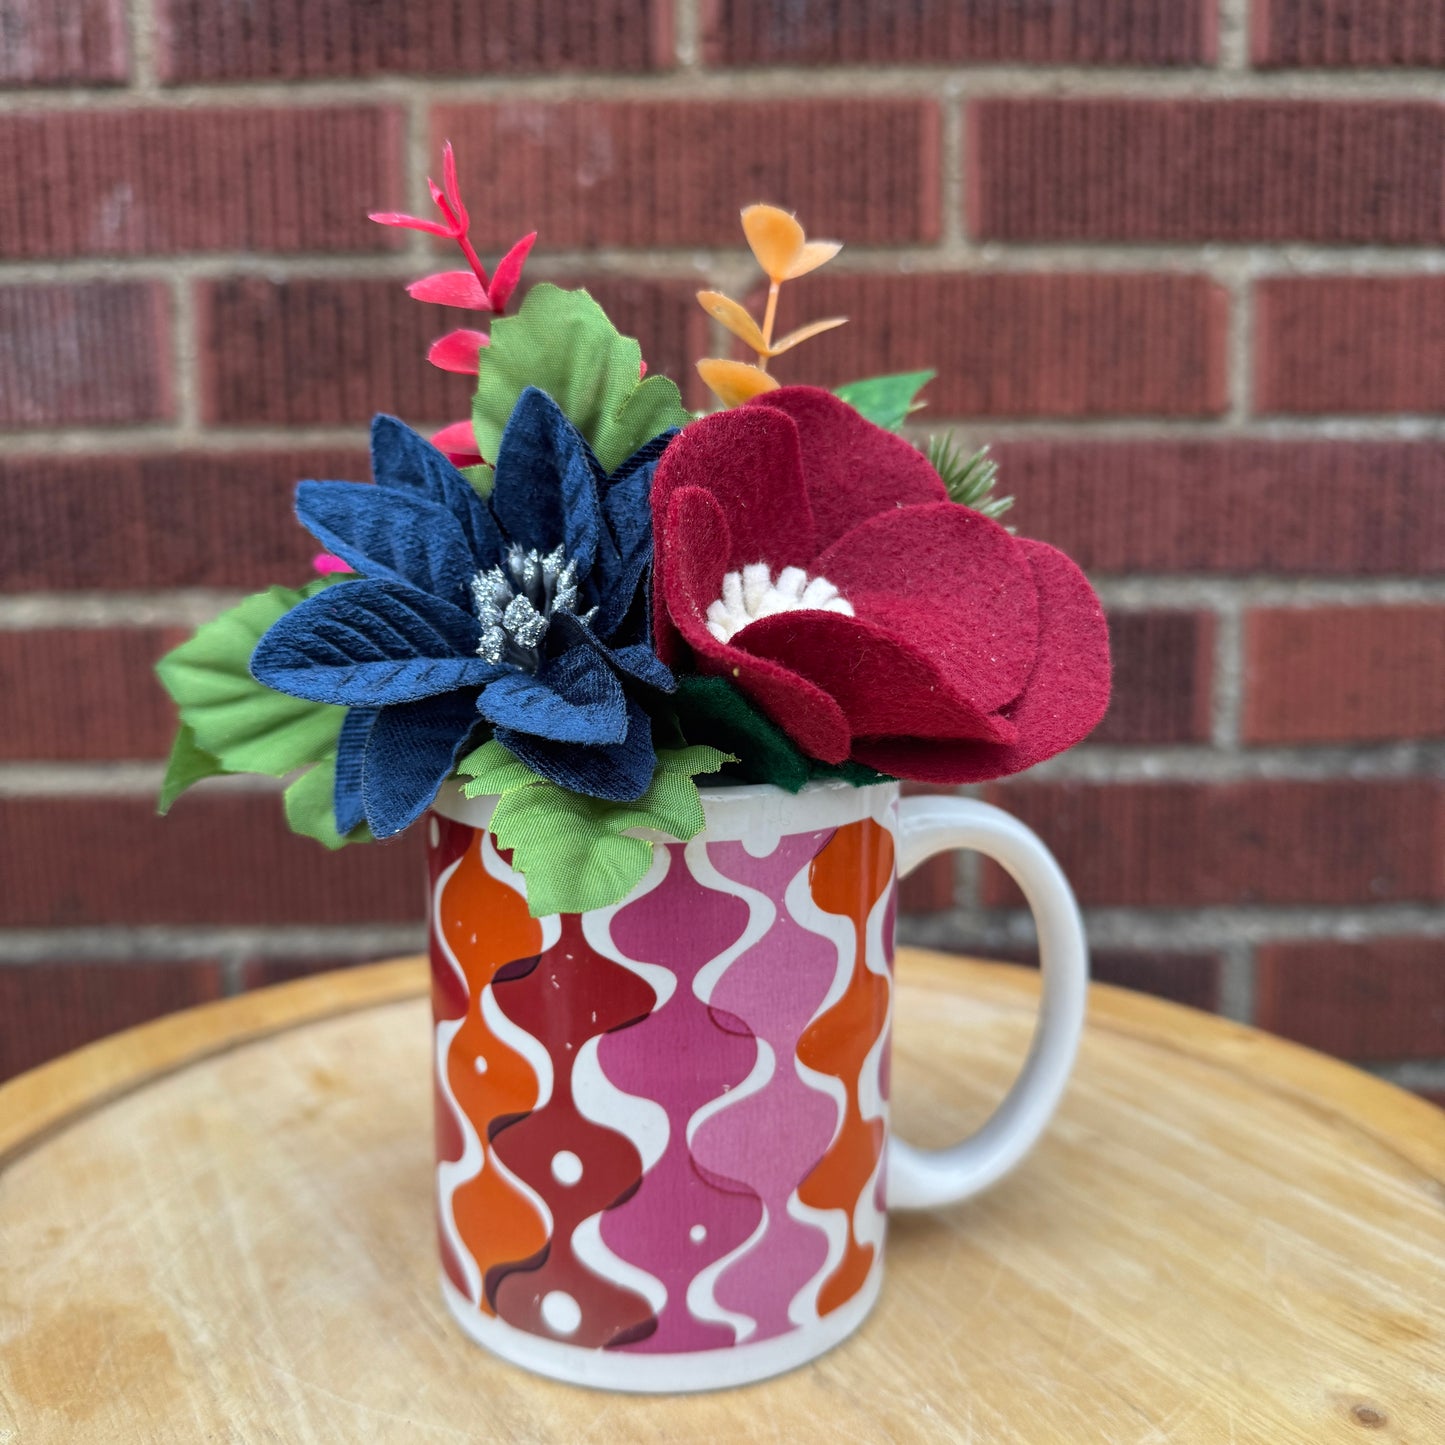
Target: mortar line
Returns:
[[687, 37], [141, 33], [185, 361], [954, 232], [985, 81], [1228, 691], [1228, 262], [1233, 19], [1237, 987]]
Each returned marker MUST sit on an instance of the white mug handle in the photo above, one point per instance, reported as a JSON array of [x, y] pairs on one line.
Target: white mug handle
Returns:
[[923, 1178]]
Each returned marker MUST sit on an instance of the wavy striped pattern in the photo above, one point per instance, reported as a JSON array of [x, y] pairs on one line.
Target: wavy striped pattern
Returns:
[[660, 1125]]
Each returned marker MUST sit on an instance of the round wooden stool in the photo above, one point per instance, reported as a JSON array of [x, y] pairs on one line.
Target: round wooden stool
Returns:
[[219, 1227]]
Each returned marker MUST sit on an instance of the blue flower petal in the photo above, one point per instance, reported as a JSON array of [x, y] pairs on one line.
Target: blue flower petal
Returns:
[[390, 535], [547, 487], [410, 753], [575, 698], [641, 662], [371, 644], [619, 773], [350, 750], [402, 460]]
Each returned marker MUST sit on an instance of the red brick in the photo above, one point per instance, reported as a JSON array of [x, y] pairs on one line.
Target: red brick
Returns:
[[1254, 842], [1239, 506], [1379, 1000], [1344, 674], [87, 693], [1022, 344], [929, 888], [282, 40], [1187, 978], [675, 172], [1350, 344], [225, 856], [156, 182], [1206, 170], [264, 971], [55, 342], [1323, 33], [181, 519], [860, 32], [62, 42], [1163, 670], [50, 1008], [318, 351]]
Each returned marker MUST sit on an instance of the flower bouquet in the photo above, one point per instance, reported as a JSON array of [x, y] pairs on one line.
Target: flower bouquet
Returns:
[[655, 677]]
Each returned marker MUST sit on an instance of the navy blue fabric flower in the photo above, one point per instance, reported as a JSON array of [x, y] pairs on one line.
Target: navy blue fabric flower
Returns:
[[529, 612]]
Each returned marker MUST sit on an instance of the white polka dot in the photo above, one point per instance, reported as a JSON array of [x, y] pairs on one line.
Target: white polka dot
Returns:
[[435, 833], [697, 1233], [566, 1167], [480, 1064], [561, 1313]]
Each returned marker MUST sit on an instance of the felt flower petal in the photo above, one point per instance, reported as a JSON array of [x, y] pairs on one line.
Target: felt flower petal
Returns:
[[347, 802], [452, 288], [690, 582], [575, 698], [1063, 701], [370, 644], [458, 351], [620, 772], [403, 461], [396, 536], [627, 512], [853, 467], [882, 683], [547, 487], [410, 752], [952, 580], [751, 461]]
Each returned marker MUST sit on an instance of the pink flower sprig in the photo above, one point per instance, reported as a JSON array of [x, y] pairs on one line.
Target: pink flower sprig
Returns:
[[470, 289], [460, 350]]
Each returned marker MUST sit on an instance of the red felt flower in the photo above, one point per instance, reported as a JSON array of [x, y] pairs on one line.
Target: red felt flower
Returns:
[[891, 625]]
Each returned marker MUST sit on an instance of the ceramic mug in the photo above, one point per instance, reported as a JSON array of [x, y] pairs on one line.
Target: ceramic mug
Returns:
[[663, 1153]]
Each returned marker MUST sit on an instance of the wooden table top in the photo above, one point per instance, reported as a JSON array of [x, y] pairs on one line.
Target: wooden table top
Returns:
[[218, 1227]]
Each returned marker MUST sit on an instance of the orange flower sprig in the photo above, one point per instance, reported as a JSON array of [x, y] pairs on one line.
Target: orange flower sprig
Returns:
[[784, 252]]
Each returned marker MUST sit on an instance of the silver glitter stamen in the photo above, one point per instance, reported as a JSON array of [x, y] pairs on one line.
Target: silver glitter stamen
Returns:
[[515, 604]]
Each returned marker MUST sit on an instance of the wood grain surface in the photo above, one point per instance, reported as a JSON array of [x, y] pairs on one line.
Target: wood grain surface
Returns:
[[218, 1228]]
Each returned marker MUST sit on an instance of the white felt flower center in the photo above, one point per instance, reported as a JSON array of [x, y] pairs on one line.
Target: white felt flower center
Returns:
[[752, 593]]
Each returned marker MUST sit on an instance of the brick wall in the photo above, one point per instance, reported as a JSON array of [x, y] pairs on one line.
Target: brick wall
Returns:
[[1177, 259]]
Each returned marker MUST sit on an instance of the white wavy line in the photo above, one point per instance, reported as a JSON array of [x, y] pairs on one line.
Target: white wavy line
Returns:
[[871, 1103], [762, 911], [592, 1250], [803, 1307], [869, 1222], [641, 1120], [701, 1293], [452, 1174], [597, 930]]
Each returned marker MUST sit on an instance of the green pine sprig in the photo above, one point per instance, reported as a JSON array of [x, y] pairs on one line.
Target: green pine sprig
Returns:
[[968, 479]]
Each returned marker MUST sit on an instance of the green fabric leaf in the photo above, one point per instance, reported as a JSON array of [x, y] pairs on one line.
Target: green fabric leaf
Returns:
[[310, 807], [188, 764], [573, 850], [886, 401], [711, 710], [244, 725], [492, 769], [562, 342]]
